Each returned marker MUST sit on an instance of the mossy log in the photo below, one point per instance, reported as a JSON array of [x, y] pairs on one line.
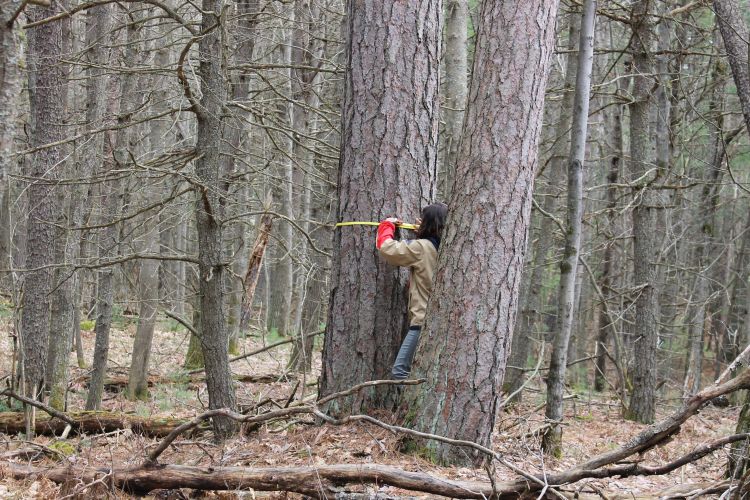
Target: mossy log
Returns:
[[91, 422]]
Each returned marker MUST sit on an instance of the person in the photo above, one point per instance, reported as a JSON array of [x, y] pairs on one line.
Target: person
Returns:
[[420, 256]]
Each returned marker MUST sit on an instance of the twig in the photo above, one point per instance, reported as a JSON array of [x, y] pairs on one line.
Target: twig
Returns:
[[528, 380], [184, 323], [258, 351], [265, 417]]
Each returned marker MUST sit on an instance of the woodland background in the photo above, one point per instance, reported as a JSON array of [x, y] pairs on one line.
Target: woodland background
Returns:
[[171, 174]]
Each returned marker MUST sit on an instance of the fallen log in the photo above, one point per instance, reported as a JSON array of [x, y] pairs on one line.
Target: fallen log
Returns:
[[91, 422], [321, 481], [317, 482], [117, 383]]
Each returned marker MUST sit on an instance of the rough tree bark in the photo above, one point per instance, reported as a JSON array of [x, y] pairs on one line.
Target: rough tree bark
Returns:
[[208, 211], [734, 32], [645, 250], [387, 168], [470, 317], [552, 441], [454, 89], [47, 92]]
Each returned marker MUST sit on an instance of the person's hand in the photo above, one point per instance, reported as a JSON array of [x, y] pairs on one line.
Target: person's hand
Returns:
[[418, 223], [393, 220]]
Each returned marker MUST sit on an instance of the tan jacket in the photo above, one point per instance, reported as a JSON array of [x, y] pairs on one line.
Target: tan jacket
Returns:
[[421, 257]]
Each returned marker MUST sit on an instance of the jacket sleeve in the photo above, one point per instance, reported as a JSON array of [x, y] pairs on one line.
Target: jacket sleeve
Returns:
[[401, 253]]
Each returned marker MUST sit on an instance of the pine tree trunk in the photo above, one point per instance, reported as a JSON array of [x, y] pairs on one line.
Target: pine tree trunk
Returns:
[[645, 253], [552, 441], [47, 91], [734, 32], [454, 87], [387, 168], [470, 318]]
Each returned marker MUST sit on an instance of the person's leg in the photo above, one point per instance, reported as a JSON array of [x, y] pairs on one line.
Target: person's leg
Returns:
[[402, 366]]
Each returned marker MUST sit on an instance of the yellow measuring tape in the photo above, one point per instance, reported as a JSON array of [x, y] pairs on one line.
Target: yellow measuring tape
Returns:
[[402, 225]]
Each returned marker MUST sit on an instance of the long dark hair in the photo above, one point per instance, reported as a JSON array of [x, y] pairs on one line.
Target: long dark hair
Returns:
[[433, 221]]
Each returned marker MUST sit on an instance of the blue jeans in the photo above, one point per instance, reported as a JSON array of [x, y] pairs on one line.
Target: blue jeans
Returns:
[[402, 366]]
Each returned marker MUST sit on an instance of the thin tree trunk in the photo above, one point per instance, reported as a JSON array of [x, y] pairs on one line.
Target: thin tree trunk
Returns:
[[10, 87], [706, 235], [282, 284], [642, 406], [606, 328], [148, 284], [117, 147], [552, 441], [387, 168], [208, 212], [470, 317], [67, 292], [535, 300]]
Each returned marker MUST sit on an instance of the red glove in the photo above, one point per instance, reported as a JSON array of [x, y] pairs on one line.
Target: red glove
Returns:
[[386, 230]]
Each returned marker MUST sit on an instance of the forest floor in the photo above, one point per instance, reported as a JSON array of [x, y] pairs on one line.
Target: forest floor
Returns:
[[593, 425]]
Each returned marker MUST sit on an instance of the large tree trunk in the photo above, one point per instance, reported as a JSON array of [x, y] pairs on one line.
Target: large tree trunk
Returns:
[[470, 317], [552, 441], [454, 87], [645, 253], [47, 93], [387, 168], [208, 212], [735, 35]]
